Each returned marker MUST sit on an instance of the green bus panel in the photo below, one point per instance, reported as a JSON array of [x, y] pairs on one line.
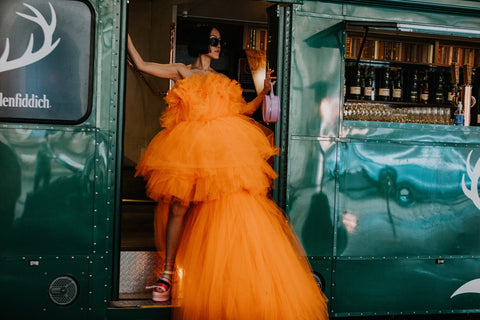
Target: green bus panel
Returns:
[[389, 209], [54, 205], [403, 286], [29, 283], [60, 179], [401, 200], [311, 194]]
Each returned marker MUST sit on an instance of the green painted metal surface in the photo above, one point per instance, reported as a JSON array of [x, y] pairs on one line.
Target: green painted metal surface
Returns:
[[379, 206], [64, 184]]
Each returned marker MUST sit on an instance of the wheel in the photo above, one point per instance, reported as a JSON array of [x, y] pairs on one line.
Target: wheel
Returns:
[[320, 280]]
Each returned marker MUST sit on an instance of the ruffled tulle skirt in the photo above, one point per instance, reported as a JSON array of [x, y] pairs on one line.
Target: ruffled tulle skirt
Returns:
[[205, 160], [238, 257]]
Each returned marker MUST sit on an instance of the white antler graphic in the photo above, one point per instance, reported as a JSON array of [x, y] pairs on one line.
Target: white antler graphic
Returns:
[[473, 175], [472, 286], [30, 57]]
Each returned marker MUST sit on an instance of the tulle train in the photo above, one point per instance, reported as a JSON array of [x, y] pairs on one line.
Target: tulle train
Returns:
[[247, 266]]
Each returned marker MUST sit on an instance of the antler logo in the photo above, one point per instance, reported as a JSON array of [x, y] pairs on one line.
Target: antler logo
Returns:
[[472, 286], [30, 57], [474, 174]]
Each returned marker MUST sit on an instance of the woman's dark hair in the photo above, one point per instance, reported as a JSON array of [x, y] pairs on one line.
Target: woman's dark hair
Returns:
[[198, 42]]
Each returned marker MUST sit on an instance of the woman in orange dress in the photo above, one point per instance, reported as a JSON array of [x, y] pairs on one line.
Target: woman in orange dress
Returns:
[[230, 253]]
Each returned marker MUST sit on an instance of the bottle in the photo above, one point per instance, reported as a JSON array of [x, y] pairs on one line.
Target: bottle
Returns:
[[374, 86], [458, 117], [476, 93], [413, 92], [384, 90], [355, 88], [450, 88], [397, 87], [362, 84], [369, 86], [424, 89], [440, 92]]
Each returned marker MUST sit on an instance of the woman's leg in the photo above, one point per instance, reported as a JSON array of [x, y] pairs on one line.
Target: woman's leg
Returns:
[[175, 226]]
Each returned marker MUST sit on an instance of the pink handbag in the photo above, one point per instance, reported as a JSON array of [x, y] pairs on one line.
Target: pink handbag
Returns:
[[271, 107]]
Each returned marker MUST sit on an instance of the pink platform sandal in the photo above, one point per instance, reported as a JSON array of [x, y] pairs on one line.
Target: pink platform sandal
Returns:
[[162, 288]]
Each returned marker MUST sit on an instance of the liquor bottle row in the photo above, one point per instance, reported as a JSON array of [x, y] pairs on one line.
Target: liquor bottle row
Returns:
[[413, 85], [424, 89]]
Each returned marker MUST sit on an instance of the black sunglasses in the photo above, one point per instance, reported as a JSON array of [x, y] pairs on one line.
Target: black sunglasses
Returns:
[[215, 41]]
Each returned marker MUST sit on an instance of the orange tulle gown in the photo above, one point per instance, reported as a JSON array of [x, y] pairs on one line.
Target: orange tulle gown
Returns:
[[238, 257]]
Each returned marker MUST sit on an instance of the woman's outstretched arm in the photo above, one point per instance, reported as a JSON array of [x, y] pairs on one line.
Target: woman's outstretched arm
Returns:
[[173, 71]]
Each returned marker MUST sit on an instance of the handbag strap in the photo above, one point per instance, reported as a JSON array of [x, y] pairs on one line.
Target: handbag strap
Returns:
[[272, 93]]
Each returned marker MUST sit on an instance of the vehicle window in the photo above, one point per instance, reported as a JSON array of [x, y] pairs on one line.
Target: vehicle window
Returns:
[[46, 54]]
